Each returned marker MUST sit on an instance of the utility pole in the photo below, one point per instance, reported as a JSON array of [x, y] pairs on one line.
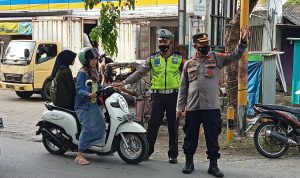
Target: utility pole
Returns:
[[243, 74]]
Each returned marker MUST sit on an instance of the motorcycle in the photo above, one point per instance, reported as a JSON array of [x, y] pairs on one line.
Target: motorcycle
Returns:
[[1, 123], [60, 129], [1, 127], [279, 129]]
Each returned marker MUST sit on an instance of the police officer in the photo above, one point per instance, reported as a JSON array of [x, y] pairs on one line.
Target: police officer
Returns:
[[199, 97], [165, 67]]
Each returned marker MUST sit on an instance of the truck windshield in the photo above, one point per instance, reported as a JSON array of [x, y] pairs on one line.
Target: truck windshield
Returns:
[[18, 53]]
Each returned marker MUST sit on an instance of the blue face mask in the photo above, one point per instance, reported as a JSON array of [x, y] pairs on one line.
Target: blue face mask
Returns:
[[204, 49]]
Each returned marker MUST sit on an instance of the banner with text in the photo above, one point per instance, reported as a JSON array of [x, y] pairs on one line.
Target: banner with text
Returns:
[[15, 28]]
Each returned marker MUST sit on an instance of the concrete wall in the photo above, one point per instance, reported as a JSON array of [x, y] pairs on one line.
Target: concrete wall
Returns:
[[144, 42]]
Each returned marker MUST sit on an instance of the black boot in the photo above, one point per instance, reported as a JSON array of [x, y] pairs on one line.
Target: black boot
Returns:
[[213, 169], [189, 164]]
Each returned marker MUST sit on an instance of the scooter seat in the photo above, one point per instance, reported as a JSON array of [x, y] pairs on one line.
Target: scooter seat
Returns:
[[282, 108], [51, 106]]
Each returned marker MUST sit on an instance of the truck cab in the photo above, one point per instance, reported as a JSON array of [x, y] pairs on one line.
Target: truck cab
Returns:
[[26, 66]]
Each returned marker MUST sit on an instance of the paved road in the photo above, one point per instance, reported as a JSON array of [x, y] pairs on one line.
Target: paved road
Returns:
[[27, 159], [20, 116], [22, 159]]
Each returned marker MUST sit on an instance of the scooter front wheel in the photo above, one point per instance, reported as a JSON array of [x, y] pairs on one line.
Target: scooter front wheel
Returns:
[[137, 149]]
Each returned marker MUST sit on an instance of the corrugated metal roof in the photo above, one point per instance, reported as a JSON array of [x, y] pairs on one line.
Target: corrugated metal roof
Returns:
[[292, 14], [151, 12], [138, 13]]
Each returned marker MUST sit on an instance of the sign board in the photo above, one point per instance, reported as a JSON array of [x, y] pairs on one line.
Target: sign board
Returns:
[[199, 7], [16, 28]]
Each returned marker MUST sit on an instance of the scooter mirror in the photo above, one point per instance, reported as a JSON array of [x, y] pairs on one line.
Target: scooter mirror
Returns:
[[297, 92], [88, 83]]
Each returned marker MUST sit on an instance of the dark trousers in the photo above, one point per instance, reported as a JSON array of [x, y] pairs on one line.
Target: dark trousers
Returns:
[[160, 104], [212, 124]]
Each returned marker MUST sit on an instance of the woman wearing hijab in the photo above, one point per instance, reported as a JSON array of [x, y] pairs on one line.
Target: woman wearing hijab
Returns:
[[86, 105], [62, 87]]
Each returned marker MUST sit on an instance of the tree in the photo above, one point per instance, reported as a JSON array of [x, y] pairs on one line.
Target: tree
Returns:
[[109, 18], [232, 38], [292, 2]]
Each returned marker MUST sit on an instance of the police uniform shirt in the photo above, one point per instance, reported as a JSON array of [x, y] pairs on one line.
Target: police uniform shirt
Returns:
[[199, 89], [141, 71]]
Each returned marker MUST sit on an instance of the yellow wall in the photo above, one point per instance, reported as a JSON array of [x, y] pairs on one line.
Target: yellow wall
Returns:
[[77, 5]]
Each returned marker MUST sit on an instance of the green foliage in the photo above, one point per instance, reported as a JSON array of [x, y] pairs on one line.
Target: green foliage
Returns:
[[292, 2], [109, 18]]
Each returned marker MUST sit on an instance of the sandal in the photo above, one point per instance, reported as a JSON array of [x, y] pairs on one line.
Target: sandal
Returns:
[[81, 161]]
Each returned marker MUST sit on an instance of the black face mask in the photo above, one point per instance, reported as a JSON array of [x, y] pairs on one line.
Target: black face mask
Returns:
[[204, 49], [163, 48]]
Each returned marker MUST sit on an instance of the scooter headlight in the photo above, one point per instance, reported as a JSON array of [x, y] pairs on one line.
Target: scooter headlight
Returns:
[[123, 104], [129, 117]]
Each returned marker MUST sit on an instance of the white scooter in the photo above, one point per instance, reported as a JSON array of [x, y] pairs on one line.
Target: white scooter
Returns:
[[60, 130]]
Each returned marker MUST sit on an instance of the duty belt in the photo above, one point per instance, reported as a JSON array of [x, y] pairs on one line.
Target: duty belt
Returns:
[[169, 91]]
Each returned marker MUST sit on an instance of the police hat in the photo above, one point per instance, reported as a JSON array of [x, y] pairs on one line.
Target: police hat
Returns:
[[163, 33], [201, 37]]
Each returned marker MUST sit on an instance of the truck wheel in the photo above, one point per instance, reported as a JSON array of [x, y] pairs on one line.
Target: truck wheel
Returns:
[[45, 93], [24, 94]]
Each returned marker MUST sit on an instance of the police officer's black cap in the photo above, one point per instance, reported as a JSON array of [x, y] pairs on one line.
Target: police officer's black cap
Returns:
[[201, 37]]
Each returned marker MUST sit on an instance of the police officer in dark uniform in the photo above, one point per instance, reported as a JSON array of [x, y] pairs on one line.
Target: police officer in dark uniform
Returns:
[[165, 67], [199, 97]]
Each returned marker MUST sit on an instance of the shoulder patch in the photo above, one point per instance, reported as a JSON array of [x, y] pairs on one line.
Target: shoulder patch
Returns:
[[154, 54], [177, 53]]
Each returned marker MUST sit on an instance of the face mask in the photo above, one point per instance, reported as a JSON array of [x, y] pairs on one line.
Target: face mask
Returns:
[[163, 48], [204, 49]]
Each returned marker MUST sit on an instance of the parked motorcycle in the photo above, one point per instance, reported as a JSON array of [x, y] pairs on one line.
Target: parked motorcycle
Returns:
[[279, 129], [60, 129], [1, 123]]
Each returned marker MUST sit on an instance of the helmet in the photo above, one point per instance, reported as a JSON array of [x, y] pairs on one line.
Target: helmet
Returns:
[[86, 54], [163, 33]]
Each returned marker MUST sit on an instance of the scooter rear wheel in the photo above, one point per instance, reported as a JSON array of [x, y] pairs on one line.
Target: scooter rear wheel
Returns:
[[50, 147], [137, 150], [267, 146]]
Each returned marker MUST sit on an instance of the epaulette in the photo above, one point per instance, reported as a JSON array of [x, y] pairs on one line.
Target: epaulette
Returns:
[[191, 58], [154, 54], [177, 53]]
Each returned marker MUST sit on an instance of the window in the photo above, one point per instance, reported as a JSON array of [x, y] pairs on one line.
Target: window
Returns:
[[46, 52]]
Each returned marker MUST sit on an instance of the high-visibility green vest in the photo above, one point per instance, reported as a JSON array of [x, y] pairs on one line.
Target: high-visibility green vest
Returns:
[[165, 72]]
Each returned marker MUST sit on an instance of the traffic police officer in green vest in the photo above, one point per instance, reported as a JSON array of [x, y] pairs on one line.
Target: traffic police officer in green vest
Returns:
[[165, 67]]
